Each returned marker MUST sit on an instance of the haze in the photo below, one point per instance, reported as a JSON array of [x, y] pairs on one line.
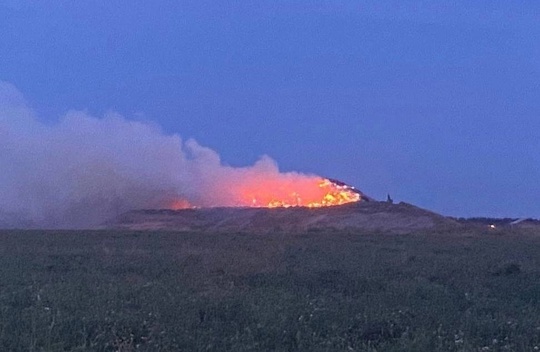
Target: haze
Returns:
[[433, 102]]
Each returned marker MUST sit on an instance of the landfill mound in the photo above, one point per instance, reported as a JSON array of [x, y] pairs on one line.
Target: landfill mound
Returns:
[[369, 216]]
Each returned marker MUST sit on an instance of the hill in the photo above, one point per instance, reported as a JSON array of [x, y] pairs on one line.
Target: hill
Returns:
[[370, 216]]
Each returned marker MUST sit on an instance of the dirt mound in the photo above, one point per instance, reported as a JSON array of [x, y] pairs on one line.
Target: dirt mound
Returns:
[[370, 216]]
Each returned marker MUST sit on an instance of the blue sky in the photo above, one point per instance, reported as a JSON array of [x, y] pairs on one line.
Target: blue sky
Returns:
[[435, 102]]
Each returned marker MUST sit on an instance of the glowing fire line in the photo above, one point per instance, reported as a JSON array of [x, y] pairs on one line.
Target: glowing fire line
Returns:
[[334, 195], [317, 193]]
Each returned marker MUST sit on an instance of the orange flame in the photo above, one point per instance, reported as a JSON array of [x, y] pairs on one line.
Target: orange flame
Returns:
[[311, 192], [180, 204], [324, 193]]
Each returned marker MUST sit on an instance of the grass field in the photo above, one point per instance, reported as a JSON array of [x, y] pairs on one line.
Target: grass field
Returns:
[[320, 291]]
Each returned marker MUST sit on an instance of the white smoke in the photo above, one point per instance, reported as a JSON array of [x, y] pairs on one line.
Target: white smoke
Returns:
[[83, 170]]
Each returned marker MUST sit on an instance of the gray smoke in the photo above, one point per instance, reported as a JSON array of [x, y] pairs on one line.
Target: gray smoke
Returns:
[[83, 170]]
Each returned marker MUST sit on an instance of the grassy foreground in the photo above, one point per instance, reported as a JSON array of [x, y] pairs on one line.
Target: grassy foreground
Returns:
[[321, 291]]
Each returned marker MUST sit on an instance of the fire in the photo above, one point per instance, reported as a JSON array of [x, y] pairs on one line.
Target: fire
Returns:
[[180, 204], [310, 192], [326, 194]]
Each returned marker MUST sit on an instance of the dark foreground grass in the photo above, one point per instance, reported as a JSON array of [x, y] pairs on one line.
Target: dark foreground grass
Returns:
[[125, 291]]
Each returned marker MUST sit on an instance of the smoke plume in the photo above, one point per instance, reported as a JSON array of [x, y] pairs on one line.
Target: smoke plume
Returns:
[[82, 170]]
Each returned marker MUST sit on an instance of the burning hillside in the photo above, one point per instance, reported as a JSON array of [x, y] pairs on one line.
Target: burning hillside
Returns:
[[274, 192], [360, 216], [82, 171]]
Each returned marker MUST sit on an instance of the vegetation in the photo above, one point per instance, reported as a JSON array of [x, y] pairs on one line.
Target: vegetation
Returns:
[[319, 291]]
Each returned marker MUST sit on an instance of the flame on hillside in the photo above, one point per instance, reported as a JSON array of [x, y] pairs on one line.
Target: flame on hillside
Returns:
[[310, 192], [87, 170]]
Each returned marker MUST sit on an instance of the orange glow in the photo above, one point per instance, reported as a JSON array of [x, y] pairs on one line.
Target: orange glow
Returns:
[[275, 192], [180, 204], [321, 193]]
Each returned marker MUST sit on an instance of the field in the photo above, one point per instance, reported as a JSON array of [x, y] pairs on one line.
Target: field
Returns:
[[318, 291]]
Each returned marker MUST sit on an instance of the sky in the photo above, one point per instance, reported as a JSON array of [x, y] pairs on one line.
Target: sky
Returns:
[[434, 102]]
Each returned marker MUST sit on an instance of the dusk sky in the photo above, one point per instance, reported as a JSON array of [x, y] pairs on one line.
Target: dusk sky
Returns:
[[434, 102]]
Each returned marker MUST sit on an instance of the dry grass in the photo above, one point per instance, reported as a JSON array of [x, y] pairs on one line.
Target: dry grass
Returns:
[[317, 291], [371, 216]]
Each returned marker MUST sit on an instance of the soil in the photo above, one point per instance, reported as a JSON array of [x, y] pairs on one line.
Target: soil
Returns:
[[370, 216]]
